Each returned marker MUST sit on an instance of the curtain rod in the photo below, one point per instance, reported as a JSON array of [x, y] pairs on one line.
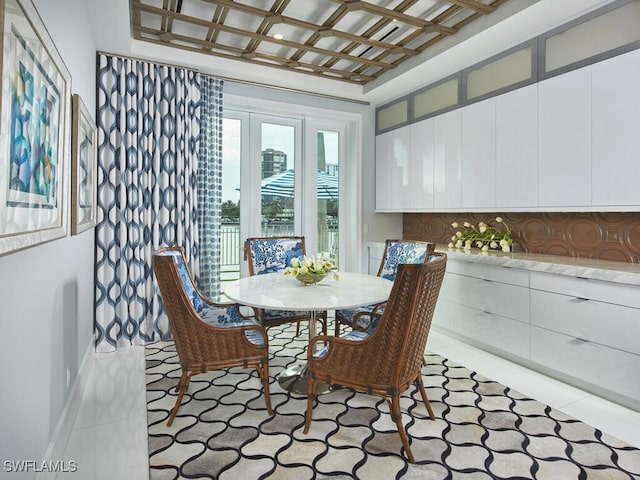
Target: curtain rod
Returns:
[[243, 82]]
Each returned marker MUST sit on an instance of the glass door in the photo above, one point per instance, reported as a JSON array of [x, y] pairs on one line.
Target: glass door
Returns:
[[272, 186]]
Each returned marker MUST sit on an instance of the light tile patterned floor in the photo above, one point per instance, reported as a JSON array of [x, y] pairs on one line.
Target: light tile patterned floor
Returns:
[[109, 440]]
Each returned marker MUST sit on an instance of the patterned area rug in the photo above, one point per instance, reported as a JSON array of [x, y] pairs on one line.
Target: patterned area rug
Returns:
[[483, 430]]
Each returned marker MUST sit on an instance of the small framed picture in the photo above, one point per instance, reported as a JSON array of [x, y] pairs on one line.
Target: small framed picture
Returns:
[[83, 168]]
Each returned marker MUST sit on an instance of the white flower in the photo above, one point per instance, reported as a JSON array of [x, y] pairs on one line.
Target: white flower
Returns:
[[483, 228], [451, 245], [493, 245], [499, 219], [478, 243], [458, 234], [459, 244], [295, 262], [467, 243], [485, 248], [454, 238], [504, 243], [506, 248], [454, 224], [467, 224]]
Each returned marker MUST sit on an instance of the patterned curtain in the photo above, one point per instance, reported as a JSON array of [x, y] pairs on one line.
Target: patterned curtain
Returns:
[[148, 145], [210, 187]]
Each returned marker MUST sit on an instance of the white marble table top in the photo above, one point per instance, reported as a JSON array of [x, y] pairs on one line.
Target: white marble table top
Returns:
[[280, 292]]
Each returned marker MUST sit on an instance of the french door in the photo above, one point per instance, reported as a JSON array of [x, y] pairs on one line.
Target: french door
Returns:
[[282, 176]]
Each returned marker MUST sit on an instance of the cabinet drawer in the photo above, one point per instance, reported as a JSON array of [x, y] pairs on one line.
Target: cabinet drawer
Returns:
[[489, 296], [604, 323], [609, 292], [444, 314], [604, 367], [513, 276], [503, 333]]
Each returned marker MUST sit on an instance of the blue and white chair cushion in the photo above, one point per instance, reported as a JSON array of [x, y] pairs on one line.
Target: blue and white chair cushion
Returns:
[[355, 335], [401, 252], [396, 252], [273, 255], [213, 314]]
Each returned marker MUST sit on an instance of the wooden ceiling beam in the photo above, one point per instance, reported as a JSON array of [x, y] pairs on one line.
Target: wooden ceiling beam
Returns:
[[205, 23]]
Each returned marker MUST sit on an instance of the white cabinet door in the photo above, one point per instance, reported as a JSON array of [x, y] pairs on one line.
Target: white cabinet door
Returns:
[[447, 162], [421, 165], [392, 170], [479, 154], [564, 141], [616, 138], [517, 148]]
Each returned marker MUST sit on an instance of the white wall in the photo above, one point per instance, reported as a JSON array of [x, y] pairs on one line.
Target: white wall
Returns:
[[46, 291]]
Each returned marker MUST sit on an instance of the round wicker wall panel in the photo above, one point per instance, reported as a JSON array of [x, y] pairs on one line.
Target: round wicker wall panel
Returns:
[[585, 235], [535, 233]]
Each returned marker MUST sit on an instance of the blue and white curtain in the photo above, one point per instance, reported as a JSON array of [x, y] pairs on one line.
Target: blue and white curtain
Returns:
[[210, 187], [148, 162]]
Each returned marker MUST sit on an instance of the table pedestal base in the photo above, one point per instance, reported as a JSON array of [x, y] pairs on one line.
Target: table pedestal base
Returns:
[[294, 380]]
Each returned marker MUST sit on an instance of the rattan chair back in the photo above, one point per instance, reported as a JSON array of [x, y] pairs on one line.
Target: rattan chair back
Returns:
[[389, 360]]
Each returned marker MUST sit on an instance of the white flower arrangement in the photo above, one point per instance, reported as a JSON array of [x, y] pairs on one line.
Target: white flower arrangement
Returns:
[[484, 236], [311, 266]]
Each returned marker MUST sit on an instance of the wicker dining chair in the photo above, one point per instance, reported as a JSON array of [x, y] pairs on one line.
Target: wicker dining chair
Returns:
[[208, 335], [395, 253], [386, 360], [274, 254]]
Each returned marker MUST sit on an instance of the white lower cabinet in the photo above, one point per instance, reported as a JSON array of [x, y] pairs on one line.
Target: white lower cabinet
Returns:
[[485, 304], [606, 371], [583, 331]]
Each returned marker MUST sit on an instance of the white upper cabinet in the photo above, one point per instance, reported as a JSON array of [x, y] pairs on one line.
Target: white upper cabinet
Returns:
[[616, 131], [447, 168], [479, 155], [564, 140], [392, 170], [421, 170], [517, 148]]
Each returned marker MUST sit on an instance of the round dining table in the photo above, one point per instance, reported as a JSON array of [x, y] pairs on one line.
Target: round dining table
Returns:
[[280, 292]]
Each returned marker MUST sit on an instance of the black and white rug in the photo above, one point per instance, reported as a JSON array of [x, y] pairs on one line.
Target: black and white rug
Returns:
[[483, 430]]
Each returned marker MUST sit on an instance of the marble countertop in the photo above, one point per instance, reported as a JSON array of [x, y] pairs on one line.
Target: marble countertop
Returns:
[[609, 271]]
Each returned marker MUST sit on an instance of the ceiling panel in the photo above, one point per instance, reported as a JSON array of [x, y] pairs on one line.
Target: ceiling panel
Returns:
[[350, 40]]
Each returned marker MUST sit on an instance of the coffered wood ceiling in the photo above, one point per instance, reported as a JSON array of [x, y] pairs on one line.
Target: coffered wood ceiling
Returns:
[[348, 40]]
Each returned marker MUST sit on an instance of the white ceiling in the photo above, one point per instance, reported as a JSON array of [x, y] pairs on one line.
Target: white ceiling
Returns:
[[524, 19]]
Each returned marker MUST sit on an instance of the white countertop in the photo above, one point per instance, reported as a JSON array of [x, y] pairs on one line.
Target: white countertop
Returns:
[[610, 271]]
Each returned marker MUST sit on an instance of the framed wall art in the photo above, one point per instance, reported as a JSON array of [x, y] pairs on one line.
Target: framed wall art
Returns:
[[35, 113], [83, 168]]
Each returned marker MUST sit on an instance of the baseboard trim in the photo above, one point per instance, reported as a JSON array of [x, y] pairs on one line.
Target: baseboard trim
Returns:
[[60, 438]]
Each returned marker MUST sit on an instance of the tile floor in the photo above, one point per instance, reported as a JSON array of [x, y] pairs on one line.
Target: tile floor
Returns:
[[109, 439]]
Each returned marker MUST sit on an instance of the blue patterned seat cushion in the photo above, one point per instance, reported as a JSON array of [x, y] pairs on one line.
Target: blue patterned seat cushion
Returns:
[[353, 335], [272, 255], [213, 315], [397, 252], [364, 322]]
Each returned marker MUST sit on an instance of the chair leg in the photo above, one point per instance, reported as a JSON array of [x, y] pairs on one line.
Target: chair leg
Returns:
[[297, 328], [337, 322], [425, 399], [396, 416], [311, 396], [182, 387], [263, 371]]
